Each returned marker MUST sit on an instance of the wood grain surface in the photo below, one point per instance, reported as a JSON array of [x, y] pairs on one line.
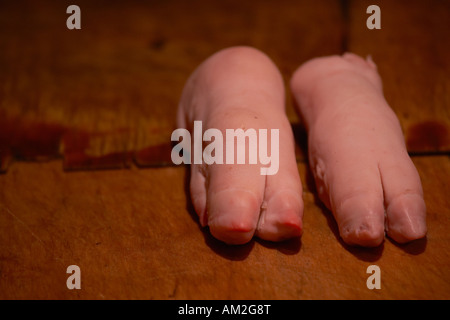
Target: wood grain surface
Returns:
[[412, 53], [105, 97], [130, 246]]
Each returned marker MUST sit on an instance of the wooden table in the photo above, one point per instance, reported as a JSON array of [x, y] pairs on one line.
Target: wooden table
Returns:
[[85, 123]]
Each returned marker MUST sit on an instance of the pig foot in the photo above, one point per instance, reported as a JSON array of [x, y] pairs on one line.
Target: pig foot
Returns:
[[357, 152], [235, 88]]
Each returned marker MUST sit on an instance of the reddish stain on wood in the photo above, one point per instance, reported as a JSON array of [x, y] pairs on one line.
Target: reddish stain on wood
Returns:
[[157, 155], [28, 140], [76, 145], [428, 136], [38, 141]]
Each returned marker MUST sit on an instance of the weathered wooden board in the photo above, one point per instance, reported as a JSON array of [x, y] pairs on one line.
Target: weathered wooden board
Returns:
[[106, 95], [412, 51], [134, 235]]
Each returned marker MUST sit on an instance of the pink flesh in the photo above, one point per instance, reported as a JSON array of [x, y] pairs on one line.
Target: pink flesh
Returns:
[[357, 151], [241, 88]]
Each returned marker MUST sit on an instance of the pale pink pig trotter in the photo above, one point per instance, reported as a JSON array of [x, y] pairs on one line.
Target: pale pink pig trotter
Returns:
[[357, 152], [241, 88]]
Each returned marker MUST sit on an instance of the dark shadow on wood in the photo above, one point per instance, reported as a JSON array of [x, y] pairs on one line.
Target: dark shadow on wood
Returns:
[[287, 247], [415, 247]]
